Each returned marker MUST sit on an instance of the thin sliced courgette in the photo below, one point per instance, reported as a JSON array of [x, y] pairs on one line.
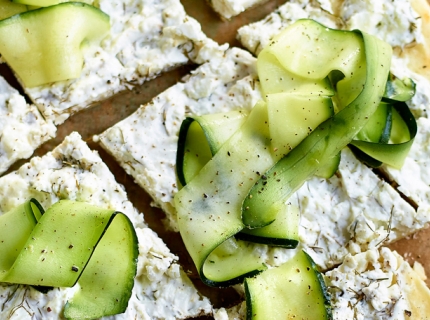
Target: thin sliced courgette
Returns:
[[200, 138], [394, 153], [283, 232], [44, 45], [72, 243], [295, 290], [293, 116], [22, 218], [208, 206], [399, 132], [378, 128], [328, 169], [222, 199], [399, 89], [230, 263], [9, 8]]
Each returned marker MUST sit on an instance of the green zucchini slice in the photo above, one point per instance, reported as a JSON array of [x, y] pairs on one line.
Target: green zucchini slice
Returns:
[[378, 128], [230, 263], [9, 8], [295, 290], [399, 89], [200, 137], [24, 217], [209, 211], [292, 117], [50, 41], [72, 243], [283, 232], [397, 136], [328, 169], [401, 137]]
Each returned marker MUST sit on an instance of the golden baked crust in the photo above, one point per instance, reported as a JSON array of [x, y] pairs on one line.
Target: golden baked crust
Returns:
[[419, 53], [417, 293]]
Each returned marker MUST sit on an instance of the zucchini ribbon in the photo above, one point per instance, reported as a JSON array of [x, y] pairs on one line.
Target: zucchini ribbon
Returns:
[[72, 243], [323, 90]]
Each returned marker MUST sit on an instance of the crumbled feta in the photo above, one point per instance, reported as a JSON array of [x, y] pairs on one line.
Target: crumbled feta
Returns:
[[376, 285], [22, 127], [236, 312], [73, 171], [395, 21], [147, 37], [231, 8], [327, 5]]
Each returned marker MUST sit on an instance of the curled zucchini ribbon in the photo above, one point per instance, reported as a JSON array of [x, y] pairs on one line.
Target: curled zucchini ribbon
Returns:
[[237, 170], [69, 26], [390, 132], [72, 243]]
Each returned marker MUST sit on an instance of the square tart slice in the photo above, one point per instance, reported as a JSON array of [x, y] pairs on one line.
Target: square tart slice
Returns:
[[73, 171]]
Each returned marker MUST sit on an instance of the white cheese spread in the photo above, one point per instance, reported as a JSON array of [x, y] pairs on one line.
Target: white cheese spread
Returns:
[[147, 37], [72, 171], [22, 127], [236, 312]]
